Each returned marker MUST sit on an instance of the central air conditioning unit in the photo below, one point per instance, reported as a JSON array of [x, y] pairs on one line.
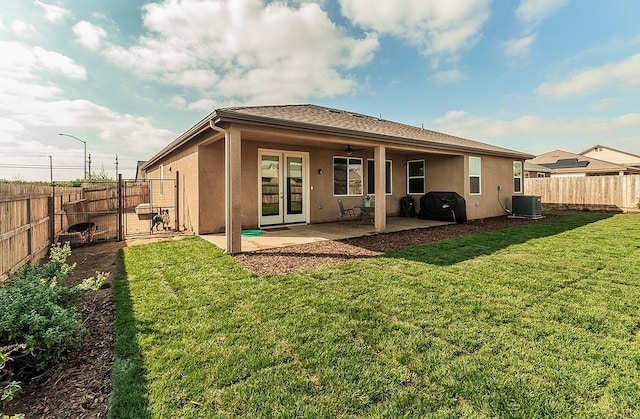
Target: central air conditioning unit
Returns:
[[526, 206]]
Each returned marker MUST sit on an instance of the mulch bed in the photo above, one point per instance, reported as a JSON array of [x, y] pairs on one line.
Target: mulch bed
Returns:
[[295, 258], [79, 387]]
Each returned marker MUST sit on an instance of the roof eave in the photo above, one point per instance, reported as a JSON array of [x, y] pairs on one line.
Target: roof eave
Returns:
[[180, 141], [227, 116], [221, 116]]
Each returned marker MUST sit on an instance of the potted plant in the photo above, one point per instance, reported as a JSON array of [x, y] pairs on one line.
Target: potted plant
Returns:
[[366, 201]]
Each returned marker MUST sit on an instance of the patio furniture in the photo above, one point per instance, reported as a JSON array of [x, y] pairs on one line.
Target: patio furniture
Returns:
[[367, 214], [346, 214]]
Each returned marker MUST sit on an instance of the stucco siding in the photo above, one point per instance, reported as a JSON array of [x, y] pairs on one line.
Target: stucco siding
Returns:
[[210, 209], [183, 162]]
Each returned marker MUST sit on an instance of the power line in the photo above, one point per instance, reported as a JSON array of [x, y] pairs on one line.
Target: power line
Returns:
[[46, 166], [36, 166]]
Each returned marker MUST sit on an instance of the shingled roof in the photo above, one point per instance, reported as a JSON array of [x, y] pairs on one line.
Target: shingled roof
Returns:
[[565, 162], [319, 119]]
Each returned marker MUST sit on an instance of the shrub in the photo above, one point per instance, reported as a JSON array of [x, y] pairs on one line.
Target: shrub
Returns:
[[8, 387], [41, 314], [98, 282]]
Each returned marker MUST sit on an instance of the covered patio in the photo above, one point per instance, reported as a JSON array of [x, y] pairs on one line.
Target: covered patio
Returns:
[[283, 236]]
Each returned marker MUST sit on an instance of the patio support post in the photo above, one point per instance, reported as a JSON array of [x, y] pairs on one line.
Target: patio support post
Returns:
[[380, 158], [233, 193]]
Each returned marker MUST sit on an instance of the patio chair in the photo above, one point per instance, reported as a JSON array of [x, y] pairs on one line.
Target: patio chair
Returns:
[[346, 214]]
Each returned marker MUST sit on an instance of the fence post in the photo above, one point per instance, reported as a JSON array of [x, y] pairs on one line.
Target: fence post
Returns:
[[52, 214], [29, 248], [120, 208], [177, 201]]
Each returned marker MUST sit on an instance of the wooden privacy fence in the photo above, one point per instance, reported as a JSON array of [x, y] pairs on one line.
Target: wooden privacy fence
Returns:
[[32, 217], [589, 192], [25, 222]]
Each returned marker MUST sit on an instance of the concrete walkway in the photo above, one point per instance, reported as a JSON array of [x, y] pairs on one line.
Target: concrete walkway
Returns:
[[282, 236]]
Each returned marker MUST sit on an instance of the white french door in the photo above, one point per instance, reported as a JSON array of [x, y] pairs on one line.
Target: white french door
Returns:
[[282, 187]]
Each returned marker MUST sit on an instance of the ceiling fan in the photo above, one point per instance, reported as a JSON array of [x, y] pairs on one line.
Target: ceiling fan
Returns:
[[349, 151]]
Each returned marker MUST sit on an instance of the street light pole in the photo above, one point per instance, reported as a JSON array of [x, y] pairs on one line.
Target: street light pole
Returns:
[[85, 152]]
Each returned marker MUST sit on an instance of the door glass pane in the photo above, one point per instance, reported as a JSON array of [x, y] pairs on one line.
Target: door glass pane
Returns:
[[294, 185], [371, 177], [270, 175]]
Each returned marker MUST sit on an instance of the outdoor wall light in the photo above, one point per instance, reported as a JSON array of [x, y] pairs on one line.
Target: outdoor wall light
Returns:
[[319, 171]]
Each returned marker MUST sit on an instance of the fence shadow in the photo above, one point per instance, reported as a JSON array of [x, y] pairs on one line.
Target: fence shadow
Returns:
[[129, 395], [453, 251]]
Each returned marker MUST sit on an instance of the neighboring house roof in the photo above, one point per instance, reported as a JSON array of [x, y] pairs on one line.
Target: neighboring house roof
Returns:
[[560, 161], [531, 167], [319, 119], [615, 156]]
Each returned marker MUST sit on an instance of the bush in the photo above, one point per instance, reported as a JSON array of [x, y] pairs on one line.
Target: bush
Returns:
[[41, 314], [8, 387]]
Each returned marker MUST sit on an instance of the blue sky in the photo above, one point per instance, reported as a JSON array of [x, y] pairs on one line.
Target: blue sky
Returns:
[[129, 76]]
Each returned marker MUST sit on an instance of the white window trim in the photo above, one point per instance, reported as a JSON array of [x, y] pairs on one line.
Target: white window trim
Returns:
[[518, 177], [479, 176], [385, 180], [423, 177], [333, 174]]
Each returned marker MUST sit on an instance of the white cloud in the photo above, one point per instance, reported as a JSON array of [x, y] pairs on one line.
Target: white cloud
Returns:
[[22, 29], [203, 105], [519, 47], [178, 102], [245, 50], [24, 63], [437, 28], [449, 76], [622, 74], [52, 12], [33, 110], [89, 35], [538, 134], [532, 12], [603, 104]]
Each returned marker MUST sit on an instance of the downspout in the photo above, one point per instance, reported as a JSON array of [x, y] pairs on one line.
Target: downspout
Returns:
[[227, 176]]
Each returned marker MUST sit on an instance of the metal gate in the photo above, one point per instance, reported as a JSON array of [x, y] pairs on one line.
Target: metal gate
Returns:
[[149, 206], [111, 211]]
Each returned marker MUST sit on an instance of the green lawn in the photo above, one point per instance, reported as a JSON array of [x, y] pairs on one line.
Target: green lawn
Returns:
[[540, 320]]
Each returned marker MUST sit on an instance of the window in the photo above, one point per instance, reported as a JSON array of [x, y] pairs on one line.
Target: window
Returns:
[[517, 177], [474, 175], [371, 177], [347, 176], [161, 178], [415, 177]]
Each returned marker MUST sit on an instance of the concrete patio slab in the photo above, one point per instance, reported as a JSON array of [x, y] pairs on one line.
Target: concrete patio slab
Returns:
[[282, 236]]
